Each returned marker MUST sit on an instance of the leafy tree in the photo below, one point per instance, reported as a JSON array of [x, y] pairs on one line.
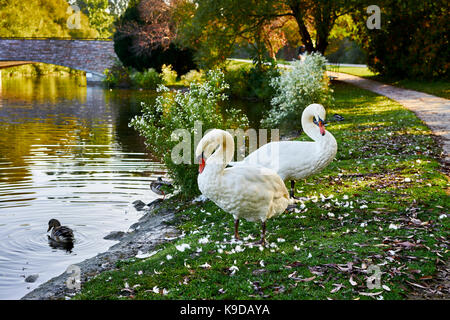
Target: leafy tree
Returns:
[[342, 46], [145, 37], [149, 25], [99, 15], [412, 40], [40, 18], [117, 7], [218, 24]]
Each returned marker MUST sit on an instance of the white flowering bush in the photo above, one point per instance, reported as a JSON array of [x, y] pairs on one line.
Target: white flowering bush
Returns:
[[180, 110], [297, 88]]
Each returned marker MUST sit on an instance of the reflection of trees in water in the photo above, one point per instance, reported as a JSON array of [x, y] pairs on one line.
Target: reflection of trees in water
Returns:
[[66, 246], [43, 89], [128, 104], [59, 112], [62, 113]]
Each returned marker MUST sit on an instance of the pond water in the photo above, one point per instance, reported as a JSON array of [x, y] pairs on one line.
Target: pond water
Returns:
[[66, 152]]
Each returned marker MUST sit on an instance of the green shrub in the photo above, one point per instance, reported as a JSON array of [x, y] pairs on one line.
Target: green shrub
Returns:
[[192, 76], [118, 76], [177, 110], [254, 82], [148, 79], [295, 89], [168, 75], [237, 78]]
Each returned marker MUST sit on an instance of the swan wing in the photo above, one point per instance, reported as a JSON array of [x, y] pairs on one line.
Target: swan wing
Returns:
[[259, 192], [289, 159]]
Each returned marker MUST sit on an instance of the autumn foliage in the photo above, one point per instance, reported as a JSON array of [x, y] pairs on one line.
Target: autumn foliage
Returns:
[[146, 34]]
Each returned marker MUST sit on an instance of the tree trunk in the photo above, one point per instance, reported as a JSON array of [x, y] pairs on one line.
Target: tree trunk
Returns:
[[324, 19], [304, 33]]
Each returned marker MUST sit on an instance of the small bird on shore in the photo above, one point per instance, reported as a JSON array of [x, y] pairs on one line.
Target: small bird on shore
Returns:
[[161, 187], [60, 233]]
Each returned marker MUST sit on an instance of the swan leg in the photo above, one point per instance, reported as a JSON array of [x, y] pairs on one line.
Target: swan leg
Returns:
[[292, 188], [236, 227], [263, 234], [292, 191]]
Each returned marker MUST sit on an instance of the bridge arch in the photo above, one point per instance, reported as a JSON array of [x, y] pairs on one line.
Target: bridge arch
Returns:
[[90, 55]]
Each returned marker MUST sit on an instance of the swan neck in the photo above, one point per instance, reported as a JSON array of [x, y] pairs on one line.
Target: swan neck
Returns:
[[309, 127], [223, 154]]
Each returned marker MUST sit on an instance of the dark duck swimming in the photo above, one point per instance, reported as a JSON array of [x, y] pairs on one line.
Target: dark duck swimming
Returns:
[[61, 234]]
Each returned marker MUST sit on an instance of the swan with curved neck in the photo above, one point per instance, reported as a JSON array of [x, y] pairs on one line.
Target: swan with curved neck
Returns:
[[251, 192], [295, 160]]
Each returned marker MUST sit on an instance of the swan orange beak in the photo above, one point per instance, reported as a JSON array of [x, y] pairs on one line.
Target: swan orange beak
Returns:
[[322, 127], [201, 164]]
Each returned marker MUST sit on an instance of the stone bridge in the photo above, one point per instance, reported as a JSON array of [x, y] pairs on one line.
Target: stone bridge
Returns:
[[90, 55]]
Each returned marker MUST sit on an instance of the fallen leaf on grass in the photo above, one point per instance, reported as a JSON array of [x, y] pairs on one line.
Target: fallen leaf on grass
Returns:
[[370, 294], [416, 285], [307, 279], [258, 271], [205, 266], [338, 287], [295, 264], [406, 244]]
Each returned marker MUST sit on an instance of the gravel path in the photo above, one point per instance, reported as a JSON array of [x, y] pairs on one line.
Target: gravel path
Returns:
[[432, 110]]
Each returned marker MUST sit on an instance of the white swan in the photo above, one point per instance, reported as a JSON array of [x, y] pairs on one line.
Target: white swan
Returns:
[[246, 191], [295, 160]]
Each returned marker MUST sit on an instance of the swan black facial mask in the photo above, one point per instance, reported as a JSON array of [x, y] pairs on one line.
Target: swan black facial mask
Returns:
[[201, 163], [320, 124]]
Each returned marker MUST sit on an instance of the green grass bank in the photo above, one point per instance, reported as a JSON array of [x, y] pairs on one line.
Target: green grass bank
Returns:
[[382, 202]]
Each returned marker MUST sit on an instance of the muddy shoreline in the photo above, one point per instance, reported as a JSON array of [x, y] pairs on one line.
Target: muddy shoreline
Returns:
[[151, 230]]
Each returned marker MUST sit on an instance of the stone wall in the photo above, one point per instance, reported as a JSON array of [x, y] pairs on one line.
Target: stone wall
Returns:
[[92, 56]]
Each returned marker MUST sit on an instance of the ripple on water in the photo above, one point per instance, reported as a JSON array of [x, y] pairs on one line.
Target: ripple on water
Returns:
[[66, 152]]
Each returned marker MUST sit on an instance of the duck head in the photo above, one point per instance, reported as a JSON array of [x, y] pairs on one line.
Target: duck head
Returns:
[[53, 223]]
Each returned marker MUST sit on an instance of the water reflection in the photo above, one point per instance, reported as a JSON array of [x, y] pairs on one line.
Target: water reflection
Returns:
[[66, 152], [66, 246]]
